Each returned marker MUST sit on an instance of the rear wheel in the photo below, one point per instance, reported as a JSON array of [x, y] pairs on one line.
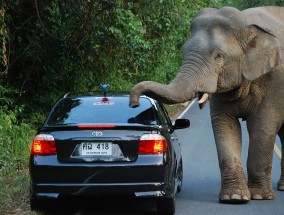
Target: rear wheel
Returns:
[[166, 206], [36, 205]]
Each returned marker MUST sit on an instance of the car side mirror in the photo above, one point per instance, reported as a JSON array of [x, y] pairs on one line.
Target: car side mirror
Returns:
[[181, 123]]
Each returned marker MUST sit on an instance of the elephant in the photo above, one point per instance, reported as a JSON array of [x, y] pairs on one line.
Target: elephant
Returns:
[[236, 58]]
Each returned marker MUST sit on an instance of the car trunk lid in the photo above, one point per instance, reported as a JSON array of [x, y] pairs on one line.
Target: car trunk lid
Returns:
[[98, 142]]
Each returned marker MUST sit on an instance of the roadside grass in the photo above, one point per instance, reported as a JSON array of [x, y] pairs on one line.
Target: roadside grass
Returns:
[[15, 141], [175, 110], [14, 194]]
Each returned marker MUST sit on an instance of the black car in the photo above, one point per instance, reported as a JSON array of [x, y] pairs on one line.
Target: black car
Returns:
[[96, 145]]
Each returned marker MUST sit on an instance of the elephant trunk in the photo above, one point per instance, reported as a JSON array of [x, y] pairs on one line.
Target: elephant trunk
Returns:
[[195, 79], [177, 91]]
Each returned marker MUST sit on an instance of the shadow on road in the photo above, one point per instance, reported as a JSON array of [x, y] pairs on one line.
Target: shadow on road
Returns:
[[101, 206]]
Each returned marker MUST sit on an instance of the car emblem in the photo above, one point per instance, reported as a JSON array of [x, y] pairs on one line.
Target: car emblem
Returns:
[[97, 133]]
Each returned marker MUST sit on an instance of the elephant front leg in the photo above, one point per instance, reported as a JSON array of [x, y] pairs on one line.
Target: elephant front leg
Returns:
[[259, 163], [227, 132]]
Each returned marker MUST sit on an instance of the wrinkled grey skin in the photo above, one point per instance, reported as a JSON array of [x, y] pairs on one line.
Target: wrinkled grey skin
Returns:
[[237, 57]]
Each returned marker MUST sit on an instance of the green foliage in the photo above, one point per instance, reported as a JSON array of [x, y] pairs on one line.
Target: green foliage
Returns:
[[15, 143], [15, 137], [60, 46], [244, 4]]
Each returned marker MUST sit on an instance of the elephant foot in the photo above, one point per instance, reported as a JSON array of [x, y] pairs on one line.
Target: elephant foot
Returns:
[[234, 195], [234, 187], [280, 185], [264, 193]]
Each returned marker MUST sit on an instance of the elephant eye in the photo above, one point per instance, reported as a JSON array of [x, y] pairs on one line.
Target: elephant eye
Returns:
[[219, 56]]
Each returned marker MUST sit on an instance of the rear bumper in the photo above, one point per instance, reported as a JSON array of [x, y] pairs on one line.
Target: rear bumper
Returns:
[[148, 176], [53, 191]]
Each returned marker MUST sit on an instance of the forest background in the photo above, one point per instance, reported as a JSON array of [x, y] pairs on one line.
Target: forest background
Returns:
[[51, 47]]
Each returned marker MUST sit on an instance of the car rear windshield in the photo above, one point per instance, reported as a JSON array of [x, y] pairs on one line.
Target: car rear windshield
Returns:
[[100, 110]]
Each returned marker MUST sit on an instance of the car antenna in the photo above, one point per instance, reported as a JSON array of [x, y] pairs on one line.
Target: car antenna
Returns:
[[104, 88]]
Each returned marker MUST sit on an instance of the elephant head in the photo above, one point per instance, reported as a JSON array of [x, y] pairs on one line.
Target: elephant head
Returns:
[[225, 49]]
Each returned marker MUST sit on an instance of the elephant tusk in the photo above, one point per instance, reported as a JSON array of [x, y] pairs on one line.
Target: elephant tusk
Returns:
[[203, 100]]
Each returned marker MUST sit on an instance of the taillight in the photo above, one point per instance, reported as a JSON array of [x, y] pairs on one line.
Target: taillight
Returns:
[[43, 144], [152, 144]]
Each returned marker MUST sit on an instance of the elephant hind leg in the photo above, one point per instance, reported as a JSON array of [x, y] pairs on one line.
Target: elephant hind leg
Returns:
[[280, 184], [259, 180], [259, 163]]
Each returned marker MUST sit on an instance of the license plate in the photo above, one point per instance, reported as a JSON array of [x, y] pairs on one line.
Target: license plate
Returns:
[[96, 149]]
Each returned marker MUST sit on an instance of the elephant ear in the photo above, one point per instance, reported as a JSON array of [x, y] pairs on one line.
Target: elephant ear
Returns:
[[261, 52]]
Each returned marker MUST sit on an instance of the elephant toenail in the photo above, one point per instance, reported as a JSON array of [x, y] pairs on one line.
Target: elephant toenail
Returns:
[[281, 187], [270, 197], [245, 197], [236, 197], [225, 197], [257, 197]]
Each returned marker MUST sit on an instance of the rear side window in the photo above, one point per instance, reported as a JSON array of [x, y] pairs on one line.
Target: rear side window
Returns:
[[94, 110]]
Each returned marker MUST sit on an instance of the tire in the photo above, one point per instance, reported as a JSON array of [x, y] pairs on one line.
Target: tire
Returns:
[[166, 206], [41, 205], [180, 177]]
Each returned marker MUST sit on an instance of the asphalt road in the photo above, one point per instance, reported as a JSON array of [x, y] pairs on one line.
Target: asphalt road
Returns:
[[201, 180]]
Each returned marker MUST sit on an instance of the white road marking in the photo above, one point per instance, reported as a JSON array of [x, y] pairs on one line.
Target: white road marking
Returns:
[[276, 149], [189, 106]]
